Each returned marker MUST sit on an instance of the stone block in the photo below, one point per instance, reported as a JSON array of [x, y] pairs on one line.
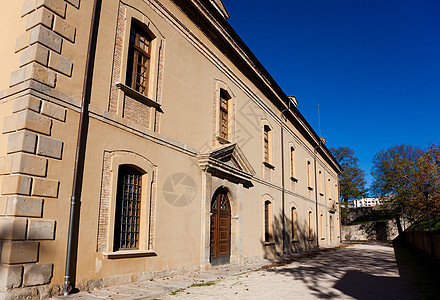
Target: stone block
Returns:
[[10, 123], [18, 252], [22, 141], [10, 277], [46, 37], [57, 6], [3, 202], [64, 29], [29, 164], [28, 6], [12, 228], [30, 120], [74, 3], [16, 184], [23, 206], [60, 64], [22, 41], [45, 188], [5, 165], [36, 274], [26, 102], [17, 77], [40, 16], [50, 147], [34, 53], [40, 73], [41, 229], [53, 110]]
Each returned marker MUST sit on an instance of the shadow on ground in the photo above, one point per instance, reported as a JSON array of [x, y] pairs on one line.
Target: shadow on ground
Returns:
[[367, 271]]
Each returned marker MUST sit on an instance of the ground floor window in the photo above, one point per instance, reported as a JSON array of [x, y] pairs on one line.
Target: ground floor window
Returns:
[[128, 208]]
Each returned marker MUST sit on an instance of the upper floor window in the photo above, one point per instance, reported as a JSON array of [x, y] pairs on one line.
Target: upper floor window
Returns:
[[266, 143], [224, 114], [309, 175], [292, 162], [138, 64]]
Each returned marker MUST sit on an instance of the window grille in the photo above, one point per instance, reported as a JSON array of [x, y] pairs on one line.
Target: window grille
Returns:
[[267, 235], [128, 209], [294, 229]]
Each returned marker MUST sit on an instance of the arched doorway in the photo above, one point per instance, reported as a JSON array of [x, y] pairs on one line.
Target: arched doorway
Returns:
[[220, 241]]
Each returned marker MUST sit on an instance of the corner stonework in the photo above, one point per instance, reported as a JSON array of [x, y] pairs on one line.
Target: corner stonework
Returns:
[[31, 148]]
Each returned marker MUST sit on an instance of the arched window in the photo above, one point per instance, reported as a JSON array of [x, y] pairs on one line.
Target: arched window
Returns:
[[294, 233], [128, 209], [267, 221]]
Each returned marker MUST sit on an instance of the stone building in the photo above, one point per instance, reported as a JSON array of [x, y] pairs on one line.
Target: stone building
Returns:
[[141, 138]]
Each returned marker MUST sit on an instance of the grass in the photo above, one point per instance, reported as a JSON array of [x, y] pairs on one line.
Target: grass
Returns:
[[423, 225]]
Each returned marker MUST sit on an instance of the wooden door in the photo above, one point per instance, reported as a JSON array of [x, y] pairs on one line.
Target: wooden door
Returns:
[[220, 229]]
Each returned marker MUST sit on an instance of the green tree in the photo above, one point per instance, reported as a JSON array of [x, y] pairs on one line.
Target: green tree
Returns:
[[396, 173], [352, 178]]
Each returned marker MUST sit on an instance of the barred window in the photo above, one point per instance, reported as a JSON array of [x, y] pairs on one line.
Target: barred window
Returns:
[[128, 207], [138, 65], [294, 225], [267, 221], [224, 118]]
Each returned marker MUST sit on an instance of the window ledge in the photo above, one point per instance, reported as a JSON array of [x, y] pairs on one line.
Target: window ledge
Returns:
[[311, 239], [129, 254], [269, 243], [136, 95], [310, 188], [269, 165], [294, 241], [323, 238], [293, 179], [222, 140], [321, 194]]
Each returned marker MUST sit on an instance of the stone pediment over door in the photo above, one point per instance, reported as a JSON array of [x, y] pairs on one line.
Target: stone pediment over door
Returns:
[[228, 162]]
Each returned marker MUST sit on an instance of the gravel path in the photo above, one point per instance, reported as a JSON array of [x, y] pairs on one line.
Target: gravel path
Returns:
[[353, 271], [359, 271]]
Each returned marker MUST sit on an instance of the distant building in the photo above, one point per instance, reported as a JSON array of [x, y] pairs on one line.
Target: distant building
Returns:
[[365, 202]]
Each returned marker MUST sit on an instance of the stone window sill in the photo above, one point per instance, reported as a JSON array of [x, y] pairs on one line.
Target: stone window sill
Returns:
[[129, 254], [294, 241], [310, 188], [293, 179], [269, 243], [222, 140], [137, 96], [269, 165]]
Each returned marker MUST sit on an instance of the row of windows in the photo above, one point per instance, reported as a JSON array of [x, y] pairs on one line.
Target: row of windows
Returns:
[[268, 223]]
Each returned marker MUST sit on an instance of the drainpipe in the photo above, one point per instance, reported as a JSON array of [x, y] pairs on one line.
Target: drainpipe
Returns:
[[282, 178], [80, 144]]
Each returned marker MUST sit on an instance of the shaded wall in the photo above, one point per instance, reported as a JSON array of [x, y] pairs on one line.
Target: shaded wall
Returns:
[[421, 241]]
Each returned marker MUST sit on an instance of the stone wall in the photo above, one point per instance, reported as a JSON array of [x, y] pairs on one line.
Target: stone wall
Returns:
[[371, 231], [420, 240]]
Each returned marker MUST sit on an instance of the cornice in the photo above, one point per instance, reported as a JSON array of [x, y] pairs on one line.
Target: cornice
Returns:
[[223, 36]]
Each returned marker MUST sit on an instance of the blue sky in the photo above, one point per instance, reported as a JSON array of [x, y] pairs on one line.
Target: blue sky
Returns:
[[373, 66]]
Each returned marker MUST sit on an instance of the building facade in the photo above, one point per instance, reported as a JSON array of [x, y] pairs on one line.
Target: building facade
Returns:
[[366, 202], [141, 138]]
